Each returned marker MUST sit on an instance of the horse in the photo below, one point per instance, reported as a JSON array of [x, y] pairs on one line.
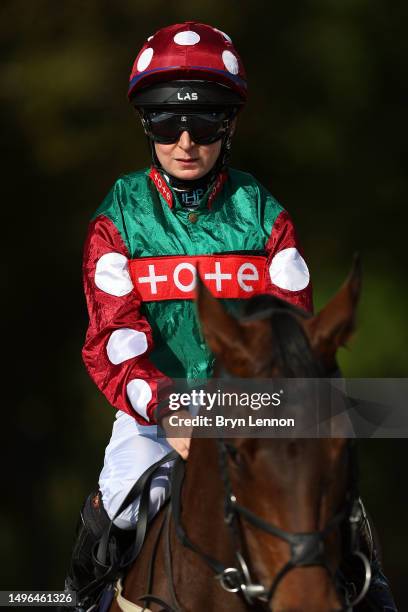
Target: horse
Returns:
[[260, 523]]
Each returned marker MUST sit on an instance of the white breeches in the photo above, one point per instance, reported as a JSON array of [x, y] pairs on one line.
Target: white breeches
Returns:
[[132, 449]]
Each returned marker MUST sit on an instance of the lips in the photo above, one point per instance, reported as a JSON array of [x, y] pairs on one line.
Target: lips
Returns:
[[187, 161]]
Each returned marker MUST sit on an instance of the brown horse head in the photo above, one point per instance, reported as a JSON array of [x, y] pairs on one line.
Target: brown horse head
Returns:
[[298, 485]]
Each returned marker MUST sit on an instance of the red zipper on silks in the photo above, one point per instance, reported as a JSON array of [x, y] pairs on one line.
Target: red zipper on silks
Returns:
[[174, 277]]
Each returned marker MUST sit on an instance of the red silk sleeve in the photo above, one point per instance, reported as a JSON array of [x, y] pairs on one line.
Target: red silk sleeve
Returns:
[[119, 337], [287, 275]]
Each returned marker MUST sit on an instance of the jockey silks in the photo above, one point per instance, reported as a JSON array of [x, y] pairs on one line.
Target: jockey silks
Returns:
[[143, 252]]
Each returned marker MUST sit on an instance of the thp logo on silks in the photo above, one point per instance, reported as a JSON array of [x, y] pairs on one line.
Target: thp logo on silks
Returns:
[[175, 277]]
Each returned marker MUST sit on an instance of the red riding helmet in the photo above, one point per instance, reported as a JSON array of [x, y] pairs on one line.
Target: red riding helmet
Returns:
[[188, 51]]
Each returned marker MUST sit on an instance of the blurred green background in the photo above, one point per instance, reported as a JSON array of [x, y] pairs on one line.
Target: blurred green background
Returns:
[[325, 130]]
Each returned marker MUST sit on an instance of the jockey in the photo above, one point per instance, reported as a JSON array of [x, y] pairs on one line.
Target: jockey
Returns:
[[144, 243]]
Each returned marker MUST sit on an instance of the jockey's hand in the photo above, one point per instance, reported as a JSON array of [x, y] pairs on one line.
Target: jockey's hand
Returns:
[[182, 443]]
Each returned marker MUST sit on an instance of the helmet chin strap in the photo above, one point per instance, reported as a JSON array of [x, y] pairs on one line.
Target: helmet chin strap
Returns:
[[191, 191]]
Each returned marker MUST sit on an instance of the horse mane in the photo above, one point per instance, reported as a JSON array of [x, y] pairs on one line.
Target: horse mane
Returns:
[[291, 351]]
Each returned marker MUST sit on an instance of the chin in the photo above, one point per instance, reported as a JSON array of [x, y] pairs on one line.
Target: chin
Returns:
[[188, 174]]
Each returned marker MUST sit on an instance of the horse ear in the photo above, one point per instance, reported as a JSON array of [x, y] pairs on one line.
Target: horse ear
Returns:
[[221, 331], [235, 344], [335, 323]]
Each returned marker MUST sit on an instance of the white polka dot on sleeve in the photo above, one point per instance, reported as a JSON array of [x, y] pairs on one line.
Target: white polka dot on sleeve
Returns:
[[125, 344], [288, 270], [112, 274], [139, 394]]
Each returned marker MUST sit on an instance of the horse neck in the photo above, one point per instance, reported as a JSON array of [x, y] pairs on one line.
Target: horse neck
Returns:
[[203, 499], [203, 488]]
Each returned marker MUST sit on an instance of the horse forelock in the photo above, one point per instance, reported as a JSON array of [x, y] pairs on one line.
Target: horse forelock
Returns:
[[291, 352]]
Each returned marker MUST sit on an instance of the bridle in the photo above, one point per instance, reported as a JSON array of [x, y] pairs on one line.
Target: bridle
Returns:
[[306, 549]]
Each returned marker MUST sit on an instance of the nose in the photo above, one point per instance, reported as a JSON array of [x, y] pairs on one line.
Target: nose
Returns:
[[185, 142]]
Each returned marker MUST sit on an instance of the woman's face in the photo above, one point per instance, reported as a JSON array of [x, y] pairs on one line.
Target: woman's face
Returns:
[[186, 160]]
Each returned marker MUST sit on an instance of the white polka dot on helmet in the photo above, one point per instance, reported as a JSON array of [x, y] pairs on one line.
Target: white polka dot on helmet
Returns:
[[188, 51]]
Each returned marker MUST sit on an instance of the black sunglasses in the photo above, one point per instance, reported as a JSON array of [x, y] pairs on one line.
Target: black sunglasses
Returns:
[[204, 128]]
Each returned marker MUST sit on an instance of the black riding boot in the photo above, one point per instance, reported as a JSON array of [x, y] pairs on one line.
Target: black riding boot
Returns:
[[92, 523]]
